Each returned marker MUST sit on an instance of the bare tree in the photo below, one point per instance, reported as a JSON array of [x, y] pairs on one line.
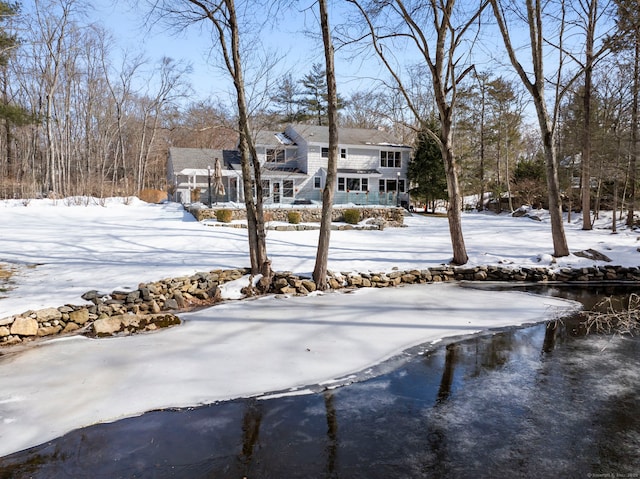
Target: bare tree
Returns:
[[322, 255], [437, 29], [546, 121], [226, 28]]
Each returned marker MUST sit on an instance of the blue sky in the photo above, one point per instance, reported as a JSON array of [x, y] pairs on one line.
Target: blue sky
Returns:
[[297, 49]]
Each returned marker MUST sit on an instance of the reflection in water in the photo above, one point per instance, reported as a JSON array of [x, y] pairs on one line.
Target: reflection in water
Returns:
[[332, 434], [541, 401], [550, 335], [447, 373], [250, 432]]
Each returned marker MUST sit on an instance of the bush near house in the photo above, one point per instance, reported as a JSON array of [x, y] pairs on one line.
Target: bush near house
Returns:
[[352, 216], [150, 195], [224, 216], [293, 217]]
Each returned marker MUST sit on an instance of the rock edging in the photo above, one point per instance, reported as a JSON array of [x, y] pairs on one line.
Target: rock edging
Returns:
[[149, 307], [153, 305]]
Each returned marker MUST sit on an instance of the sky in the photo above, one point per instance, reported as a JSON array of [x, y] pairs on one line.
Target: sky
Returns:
[[259, 347], [287, 39]]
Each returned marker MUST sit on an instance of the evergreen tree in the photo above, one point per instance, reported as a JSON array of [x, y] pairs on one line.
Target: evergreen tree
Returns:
[[288, 101], [426, 168], [315, 99]]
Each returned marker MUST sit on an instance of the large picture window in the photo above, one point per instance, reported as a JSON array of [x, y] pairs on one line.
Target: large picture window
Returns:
[[388, 186], [390, 159], [353, 184]]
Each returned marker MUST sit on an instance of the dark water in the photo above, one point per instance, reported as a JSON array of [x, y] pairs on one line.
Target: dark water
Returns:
[[541, 401]]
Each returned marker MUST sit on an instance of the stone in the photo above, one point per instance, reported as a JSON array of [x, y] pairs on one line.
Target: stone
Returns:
[[155, 308], [70, 327], [24, 326], [480, 275], [170, 304], [309, 285], [6, 321], [4, 331], [179, 299], [81, 316], [107, 326], [92, 296], [49, 330], [593, 255], [48, 314]]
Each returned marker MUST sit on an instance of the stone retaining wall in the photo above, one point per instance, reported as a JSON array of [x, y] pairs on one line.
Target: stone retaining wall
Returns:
[[393, 216], [152, 305]]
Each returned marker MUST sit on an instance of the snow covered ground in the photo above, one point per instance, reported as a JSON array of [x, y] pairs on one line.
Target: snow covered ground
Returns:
[[237, 349]]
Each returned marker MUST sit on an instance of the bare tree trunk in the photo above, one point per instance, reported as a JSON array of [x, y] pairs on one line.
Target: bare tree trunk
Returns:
[[322, 255], [586, 139], [536, 89], [635, 151], [260, 263], [438, 49]]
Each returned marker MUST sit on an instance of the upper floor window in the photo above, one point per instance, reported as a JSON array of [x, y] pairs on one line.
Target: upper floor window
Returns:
[[391, 159], [275, 156], [343, 153], [324, 152]]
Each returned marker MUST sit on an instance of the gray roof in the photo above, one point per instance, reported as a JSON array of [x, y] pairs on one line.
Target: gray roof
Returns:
[[272, 138], [201, 158], [348, 136]]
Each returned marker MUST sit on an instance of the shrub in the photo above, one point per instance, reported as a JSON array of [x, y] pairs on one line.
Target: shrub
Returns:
[[352, 216], [150, 195], [224, 216], [294, 217]]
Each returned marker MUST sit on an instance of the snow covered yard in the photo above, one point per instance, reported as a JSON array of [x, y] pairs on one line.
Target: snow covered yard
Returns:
[[240, 348]]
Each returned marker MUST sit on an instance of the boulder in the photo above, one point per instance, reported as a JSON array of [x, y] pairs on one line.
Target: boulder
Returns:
[[81, 316], [4, 331], [49, 330], [24, 326], [48, 314], [107, 326]]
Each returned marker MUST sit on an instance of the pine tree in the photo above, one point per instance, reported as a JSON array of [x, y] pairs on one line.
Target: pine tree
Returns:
[[315, 99], [426, 168]]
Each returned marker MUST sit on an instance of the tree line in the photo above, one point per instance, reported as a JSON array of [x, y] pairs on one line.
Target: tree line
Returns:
[[552, 118]]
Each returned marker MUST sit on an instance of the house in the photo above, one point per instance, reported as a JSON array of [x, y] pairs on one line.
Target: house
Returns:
[[372, 167]]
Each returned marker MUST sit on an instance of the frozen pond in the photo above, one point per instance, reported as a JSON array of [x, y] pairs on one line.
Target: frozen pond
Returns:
[[539, 401]]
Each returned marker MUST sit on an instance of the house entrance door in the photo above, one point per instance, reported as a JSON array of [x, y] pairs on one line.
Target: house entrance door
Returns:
[[276, 191]]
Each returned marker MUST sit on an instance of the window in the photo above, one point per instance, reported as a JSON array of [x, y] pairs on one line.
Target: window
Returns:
[[390, 159], [353, 184], [343, 153], [287, 188], [387, 186], [317, 182], [266, 188], [324, 152], [275, 156]]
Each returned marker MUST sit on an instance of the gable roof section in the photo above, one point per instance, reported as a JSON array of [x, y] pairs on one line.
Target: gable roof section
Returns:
[[201, 158], [272, 138], [347, 136]]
